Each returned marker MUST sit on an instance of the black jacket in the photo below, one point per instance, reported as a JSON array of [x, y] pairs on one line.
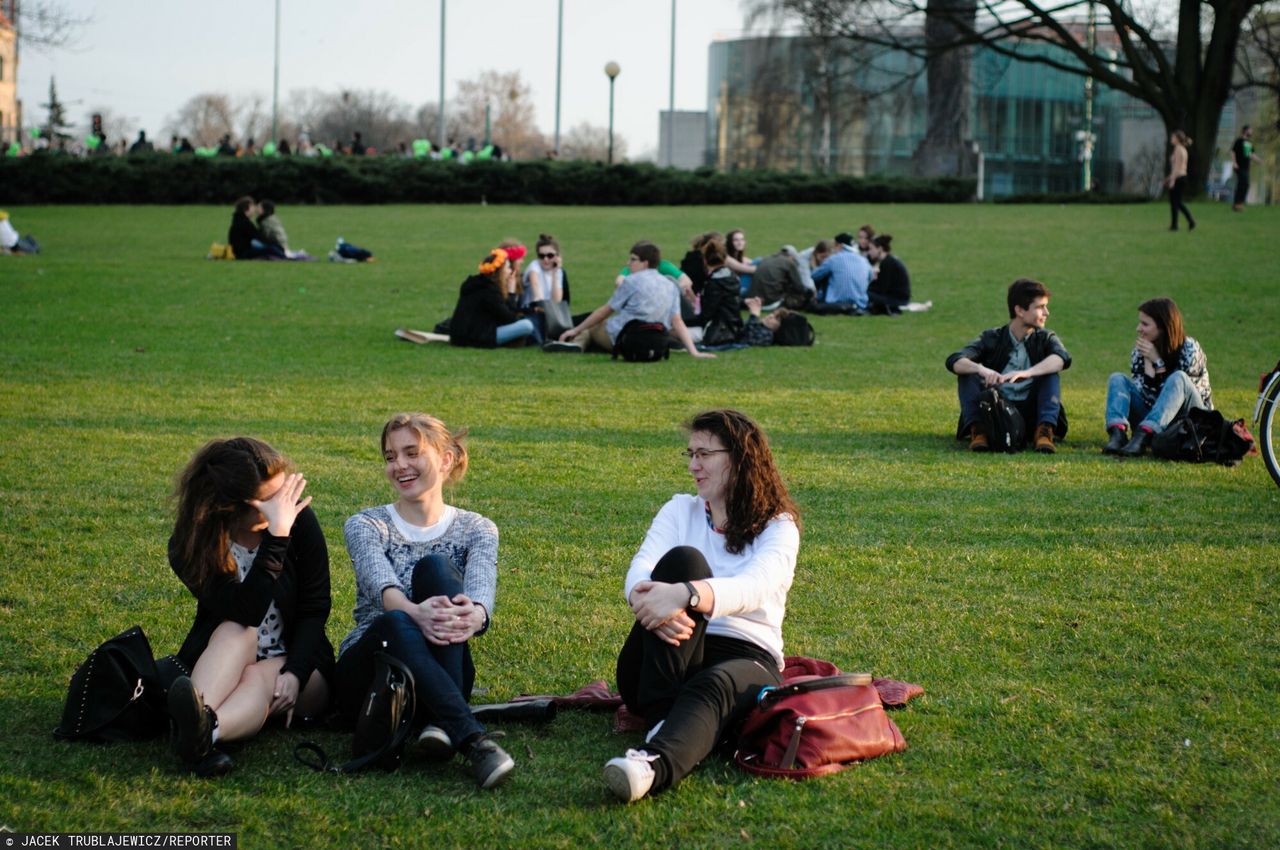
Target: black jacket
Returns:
[[480, 310], [301, 592], [892, 282], [241, 233], [993, 347]]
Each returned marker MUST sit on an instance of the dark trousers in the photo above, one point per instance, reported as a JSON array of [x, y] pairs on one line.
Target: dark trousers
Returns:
[[1176, 204], [701, 689], [442, 675], [1042, 404], [1242, 188]]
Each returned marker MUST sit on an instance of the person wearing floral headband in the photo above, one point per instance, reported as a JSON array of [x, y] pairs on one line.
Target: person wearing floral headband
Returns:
[[482, 317]]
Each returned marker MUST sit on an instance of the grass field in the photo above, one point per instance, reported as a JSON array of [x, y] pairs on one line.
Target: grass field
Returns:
[[1098, 640]]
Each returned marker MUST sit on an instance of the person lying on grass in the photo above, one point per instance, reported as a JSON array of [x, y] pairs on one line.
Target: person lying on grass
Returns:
[[249, 548], [708, 593], [426, 577]]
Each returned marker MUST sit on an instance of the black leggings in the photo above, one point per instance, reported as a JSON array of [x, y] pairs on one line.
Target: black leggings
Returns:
[[1176, 204], [701, 689]]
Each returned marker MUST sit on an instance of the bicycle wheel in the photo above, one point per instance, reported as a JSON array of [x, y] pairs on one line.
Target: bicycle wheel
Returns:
[[1268, 424]]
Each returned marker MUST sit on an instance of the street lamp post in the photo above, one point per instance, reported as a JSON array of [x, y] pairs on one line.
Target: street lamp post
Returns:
[[275, 87], [559, 46], [611, 71], [441, 131]]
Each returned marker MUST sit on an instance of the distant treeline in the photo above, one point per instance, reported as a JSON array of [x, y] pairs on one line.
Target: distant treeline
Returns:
[[168, 179]]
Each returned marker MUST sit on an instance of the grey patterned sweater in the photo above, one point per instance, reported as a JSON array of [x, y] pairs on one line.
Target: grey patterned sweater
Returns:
[[382, 558]]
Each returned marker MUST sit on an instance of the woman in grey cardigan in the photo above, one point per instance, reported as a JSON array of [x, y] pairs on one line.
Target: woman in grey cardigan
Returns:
[[426, 575]]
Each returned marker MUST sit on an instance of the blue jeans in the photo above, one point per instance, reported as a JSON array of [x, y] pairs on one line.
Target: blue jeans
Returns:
[[1042, 404], [1125, 403], [515, 330], [442, 675]]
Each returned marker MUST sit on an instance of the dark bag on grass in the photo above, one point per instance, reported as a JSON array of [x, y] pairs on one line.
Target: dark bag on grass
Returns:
[[794, 330], [119, 693], [382, 727], [642, 342], [815, 725], [1201, 436], [1001, 422]]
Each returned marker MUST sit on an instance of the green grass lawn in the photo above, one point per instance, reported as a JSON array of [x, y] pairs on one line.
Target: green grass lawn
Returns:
[[1097, 639]]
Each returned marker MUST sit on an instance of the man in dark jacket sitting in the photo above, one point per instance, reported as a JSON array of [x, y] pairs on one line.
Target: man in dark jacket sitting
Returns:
[[1021, 360]]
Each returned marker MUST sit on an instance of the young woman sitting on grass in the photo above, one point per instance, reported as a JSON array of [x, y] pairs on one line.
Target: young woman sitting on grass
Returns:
[[255, 559], [735, 242], [1168, 376], [546, 279], [482, 317], [708, 590], [426, 576]]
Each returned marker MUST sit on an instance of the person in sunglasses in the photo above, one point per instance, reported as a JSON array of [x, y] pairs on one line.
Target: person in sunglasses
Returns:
[[708, 591]]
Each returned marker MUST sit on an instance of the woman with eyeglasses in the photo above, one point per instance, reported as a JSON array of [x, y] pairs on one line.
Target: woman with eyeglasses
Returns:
[[708, 591]]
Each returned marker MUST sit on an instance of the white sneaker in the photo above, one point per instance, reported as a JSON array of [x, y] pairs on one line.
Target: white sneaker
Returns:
[[653, 733], [630, 777], [434, 744]]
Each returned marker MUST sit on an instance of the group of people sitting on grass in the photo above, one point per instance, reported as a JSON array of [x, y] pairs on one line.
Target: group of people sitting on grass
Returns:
[[707, 592], [1023, 361], [698, 304]]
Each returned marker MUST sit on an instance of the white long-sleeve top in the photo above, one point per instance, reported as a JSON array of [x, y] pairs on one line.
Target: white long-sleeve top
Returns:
[[750, 587]]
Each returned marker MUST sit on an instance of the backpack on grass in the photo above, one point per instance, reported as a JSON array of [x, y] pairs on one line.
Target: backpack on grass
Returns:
[[1201, 436], [794, 330], [642, 342], [1001, 422], [382, 727]]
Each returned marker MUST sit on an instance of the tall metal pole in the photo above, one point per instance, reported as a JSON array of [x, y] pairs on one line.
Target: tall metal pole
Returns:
[[671, 93], [611, 70], [559, 49], [441, 132], [1091, 39], [275, 89]]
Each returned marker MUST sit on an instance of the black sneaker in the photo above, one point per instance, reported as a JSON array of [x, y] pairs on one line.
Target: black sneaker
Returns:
[[556, 346], [191, 722], [217, 763], [489, 762]]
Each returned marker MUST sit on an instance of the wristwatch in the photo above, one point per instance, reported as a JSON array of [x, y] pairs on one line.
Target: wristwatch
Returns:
[[1159, 364], [694, 598]]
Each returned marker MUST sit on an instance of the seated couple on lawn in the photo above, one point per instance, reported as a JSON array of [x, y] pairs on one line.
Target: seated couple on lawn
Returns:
[[264, 240], [707, 592]]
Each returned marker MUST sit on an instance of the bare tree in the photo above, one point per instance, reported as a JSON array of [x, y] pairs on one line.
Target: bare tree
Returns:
[[44, 24], [588, 142], [509, 101], [204, 119], [1184, 73], [381, 118]]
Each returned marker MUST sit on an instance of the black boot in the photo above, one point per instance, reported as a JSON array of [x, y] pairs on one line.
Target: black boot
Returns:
[[1138, 445], [1119, 436]]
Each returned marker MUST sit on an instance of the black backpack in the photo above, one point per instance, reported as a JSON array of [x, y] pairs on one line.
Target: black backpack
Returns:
[[1001, 422], [1204, 435], [794, 330], [642, 342], [382, 727], [119, 693], [721, 309]]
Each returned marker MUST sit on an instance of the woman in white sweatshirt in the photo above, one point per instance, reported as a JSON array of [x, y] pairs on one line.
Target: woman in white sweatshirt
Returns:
[[708, 590]]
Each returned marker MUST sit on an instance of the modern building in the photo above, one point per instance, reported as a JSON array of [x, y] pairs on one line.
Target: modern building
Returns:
[[10, 106], [791, 102], [687, 132]]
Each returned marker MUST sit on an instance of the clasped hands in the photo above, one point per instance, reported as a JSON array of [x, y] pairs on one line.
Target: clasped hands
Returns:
[[444, 621], [660, 608], [990, 377]]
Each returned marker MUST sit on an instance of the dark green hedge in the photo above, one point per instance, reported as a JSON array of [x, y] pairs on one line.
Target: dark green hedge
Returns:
[[1074, 198], [169, 179]]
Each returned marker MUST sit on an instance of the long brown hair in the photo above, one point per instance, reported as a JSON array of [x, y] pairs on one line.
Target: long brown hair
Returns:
[[728, 244], [756, 492], [211, 492], [1168, 319]]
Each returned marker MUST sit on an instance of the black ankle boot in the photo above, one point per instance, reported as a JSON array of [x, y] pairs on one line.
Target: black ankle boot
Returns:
[[1119, 437], [1138, 445]]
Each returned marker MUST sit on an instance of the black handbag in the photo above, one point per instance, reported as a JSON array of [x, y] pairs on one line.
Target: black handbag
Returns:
[[1002, 423], [1201, 436], [119, 693], [382, 727]]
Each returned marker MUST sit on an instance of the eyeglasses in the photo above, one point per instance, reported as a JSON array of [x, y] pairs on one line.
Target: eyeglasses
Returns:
[[546, 256], [701, 454]]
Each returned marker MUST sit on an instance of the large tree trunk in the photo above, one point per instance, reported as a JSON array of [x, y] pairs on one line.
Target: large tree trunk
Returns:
[[942, 152]]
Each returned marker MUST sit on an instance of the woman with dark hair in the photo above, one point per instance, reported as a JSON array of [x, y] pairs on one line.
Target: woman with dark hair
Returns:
[[1177, 178], [1169, 377], [546, 279], [483, 317], [890, 289], [721, 298], [426, 577], [708, 590], [735, 244], [243, 233], [255, 559]]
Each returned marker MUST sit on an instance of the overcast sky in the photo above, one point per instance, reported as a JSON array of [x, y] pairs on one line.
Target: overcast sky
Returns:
[[144, 58]]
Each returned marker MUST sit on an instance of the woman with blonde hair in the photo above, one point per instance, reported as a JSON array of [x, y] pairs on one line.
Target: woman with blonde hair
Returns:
[[249, 548], [1177, 179], [426, 577]]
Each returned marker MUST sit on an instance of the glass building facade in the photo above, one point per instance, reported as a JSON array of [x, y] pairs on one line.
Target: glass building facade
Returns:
[[796, 103]]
